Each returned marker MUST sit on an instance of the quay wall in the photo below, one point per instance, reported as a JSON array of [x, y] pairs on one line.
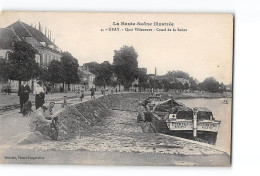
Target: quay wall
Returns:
[[75, 119]]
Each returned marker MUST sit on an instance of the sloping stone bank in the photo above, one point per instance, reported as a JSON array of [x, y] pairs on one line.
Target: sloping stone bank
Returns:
[[77, 118], [124, 102]]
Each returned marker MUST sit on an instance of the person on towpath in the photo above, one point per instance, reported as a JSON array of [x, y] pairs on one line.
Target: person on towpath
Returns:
[[43, 122], [23, 93], [92, 92]]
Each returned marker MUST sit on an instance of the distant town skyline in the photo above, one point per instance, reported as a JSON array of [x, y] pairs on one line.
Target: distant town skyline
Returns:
[[204, 50]]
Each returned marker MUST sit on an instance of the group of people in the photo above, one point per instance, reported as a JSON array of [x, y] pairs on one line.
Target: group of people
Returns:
[[43, 120], [82, 90], [24, 91], [7, 88], [145, 118]]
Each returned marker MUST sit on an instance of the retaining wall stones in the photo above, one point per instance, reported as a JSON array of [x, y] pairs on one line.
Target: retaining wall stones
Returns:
[[74, 120]]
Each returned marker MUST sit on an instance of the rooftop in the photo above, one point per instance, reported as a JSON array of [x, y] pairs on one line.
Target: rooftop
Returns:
[[23, 30], [7, 37]]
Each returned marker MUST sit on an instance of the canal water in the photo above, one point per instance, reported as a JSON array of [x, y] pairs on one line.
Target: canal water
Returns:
[[221, 112]]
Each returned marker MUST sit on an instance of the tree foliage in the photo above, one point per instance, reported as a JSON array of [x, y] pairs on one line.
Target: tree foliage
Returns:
[[64, 71], [103, 72], [3, 64], [55, 72], [142, 78], [171, 75], [69, 68], [92, 66], [125, 62], [21, 64], [44, 74], [210, 85]]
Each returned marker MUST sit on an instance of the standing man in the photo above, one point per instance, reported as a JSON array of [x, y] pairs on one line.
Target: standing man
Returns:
[[23, 93], [9, 91], [92, 92], [82, 93]]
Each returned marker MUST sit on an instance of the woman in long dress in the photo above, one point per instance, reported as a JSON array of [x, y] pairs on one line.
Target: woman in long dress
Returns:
[[39, 94]]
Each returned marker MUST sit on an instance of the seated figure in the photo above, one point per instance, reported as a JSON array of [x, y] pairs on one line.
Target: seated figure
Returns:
[[44, 122]]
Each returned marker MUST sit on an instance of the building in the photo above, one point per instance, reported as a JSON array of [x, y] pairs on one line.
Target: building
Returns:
[[134, 86], [183, 81], [143, 69], [87, 78], [20, 31], [46, 48]]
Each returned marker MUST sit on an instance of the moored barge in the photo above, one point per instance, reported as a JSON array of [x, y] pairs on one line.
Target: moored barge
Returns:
[[182, 121]]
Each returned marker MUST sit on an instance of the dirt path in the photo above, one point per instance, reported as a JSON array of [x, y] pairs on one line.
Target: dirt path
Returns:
[[14, 127]]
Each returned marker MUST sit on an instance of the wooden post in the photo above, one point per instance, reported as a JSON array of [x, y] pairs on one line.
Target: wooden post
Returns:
[[195, 113]]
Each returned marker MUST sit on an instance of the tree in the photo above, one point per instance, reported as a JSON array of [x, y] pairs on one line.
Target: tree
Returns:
[[104, 73], [69, 69], [210, 85], [193, 84], [155, 83], [181, 74], [171, 75], [222, 88], [114, 83], [44, 74], [55, 71], [179, 86], [166, 85], [3, 71], [21, 64], [186, 86], [142, 79], [125, 62], [93, 67]]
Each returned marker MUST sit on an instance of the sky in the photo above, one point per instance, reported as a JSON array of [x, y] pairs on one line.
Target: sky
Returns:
[[204, 50]]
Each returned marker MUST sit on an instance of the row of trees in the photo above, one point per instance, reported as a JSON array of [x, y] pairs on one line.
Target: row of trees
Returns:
[[125, 68], [21, 66], [64, 71]]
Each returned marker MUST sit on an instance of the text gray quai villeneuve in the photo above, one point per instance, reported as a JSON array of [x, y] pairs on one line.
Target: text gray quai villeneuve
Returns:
[[143, 27]]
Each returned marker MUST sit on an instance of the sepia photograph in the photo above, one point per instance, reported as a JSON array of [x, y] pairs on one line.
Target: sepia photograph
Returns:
[[116, 89]]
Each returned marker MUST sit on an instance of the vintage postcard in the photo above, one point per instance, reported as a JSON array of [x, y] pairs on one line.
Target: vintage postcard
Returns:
[[129, 89]]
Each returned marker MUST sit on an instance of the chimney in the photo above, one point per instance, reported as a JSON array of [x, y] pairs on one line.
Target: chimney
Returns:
[[50, 35], [45, 31], [155, 72]]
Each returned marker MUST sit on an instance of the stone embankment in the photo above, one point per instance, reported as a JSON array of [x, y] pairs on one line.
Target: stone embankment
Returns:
[[76, 119]]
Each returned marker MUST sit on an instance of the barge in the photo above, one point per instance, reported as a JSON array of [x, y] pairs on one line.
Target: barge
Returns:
[[182, 121]]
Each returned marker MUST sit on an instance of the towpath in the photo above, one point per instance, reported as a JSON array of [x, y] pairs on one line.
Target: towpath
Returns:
[[14, 127]]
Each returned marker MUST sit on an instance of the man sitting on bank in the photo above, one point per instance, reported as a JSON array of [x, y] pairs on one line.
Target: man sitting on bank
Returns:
[[44, 122]]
